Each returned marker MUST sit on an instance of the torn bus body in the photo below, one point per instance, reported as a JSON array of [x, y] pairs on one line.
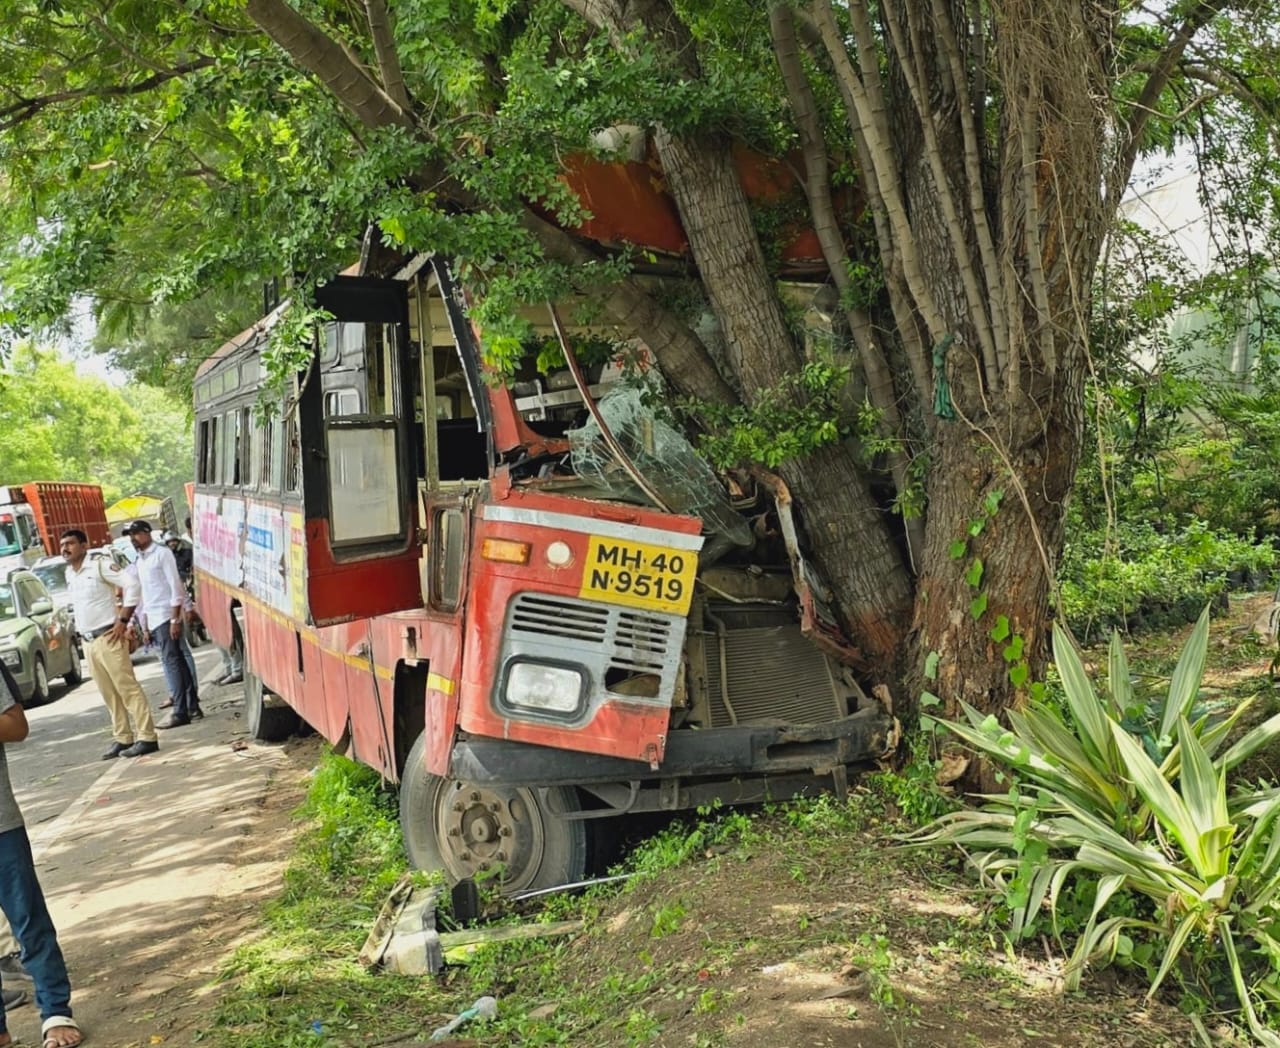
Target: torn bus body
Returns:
[[535, 607]]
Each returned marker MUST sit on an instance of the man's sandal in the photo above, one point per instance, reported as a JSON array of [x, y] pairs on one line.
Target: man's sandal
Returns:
[[63, 1024]]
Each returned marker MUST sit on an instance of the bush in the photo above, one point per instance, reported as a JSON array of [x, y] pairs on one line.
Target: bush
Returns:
[[1153, 575], [1183, 878]]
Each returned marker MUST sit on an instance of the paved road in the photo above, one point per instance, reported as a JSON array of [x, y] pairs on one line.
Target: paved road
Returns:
[[133, 853], [62, 757]]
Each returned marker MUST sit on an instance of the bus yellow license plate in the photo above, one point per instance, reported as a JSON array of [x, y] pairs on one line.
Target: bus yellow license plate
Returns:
[[643, 576]]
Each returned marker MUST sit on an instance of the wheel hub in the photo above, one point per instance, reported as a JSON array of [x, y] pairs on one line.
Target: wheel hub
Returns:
[[483, 830]]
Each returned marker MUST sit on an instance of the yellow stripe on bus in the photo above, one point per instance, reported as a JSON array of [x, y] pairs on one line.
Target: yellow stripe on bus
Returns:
[[438, 683], [360, 662]]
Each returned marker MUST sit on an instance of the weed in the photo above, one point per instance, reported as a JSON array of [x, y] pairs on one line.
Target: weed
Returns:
[[668, 919]]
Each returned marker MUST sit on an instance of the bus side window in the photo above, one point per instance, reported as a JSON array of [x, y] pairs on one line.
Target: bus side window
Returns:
[[267, 457], [202, 451], [292, 457], [244, 449], [230, 437], [209, 451]]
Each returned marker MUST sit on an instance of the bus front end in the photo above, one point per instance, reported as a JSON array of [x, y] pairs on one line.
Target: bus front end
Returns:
[[579, 611]]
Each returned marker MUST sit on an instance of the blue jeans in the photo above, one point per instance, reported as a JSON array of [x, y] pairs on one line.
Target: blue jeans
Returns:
[[23, 903], [179, 671]]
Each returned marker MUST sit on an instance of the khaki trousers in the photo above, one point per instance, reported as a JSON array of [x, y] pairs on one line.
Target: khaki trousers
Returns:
[[112, 671]]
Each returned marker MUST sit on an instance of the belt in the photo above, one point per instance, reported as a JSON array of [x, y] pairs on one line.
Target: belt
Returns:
[[95, 634]]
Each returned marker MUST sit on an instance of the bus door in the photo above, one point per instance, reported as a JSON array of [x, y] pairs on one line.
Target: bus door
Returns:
[[358, 465]]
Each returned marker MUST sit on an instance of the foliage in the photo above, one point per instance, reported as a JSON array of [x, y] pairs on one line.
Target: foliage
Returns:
[[912, 788], [789, 421], [356, 827], [1091, 807], [1147, 573], [57, 423]]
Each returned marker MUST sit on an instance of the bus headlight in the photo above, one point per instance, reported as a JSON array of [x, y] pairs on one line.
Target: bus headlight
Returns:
[[543, 687]]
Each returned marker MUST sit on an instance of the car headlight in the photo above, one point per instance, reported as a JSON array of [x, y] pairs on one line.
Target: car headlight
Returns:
[[543, 687], [11, 657]]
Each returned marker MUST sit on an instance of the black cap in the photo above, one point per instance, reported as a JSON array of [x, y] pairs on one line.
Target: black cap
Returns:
[[137, 525]]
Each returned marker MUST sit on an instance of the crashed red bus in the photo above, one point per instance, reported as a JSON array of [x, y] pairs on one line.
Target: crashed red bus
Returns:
[[533, 606]]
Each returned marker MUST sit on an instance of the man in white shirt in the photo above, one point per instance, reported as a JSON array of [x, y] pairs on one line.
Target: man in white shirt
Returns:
[[92, 585], [163, 597]]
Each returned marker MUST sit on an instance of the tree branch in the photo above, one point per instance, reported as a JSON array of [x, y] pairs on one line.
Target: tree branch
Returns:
[[1200, 15], [817, 188], [27, 108], [317, 52], [384, 46], [866, 113], [911, 61]]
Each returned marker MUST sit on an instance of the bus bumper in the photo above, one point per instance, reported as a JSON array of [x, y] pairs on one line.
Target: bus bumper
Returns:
[[739, 751]]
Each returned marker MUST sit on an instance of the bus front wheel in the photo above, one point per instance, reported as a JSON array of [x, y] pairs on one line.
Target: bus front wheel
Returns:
[[474, 830]]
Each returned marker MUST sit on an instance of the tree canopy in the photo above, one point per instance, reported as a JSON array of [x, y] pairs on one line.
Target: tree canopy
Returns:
[[57, 423], [960, 164]]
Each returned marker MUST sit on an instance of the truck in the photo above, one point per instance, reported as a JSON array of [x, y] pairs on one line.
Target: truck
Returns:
[[34, 515]]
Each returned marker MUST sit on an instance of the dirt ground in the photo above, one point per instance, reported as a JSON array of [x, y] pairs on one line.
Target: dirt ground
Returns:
[[167, 998], [771, 945]]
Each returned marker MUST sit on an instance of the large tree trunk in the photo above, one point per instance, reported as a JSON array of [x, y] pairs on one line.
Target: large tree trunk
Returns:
[[847, 534], [985, 612]]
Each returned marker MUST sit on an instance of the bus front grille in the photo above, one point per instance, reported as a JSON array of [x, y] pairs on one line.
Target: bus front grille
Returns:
[[628, 651]]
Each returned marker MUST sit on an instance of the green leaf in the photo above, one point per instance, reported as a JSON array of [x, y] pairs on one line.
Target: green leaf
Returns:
[[974, 575], [978, 607], [928, 700], [1120, 687], [1251, 743], [1001, 629], [931, 665], [992, 502], [976, 525], [1170, 809], [1086, 710], [1185, 685], [1013, 650], [958, 549], [1018, 674]]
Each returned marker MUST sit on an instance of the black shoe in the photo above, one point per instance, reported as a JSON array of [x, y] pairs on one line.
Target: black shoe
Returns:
[[172, 722], [13, 999], [141, 748], [117, 748], [197, 714], [232, 678], [11, 968]]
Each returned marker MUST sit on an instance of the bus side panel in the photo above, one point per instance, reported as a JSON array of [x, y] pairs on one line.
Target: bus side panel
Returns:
[[213, 602], [433, 638], [370, 702]]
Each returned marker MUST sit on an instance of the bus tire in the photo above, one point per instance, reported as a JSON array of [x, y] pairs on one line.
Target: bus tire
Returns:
[[469, 830], [266, 720]]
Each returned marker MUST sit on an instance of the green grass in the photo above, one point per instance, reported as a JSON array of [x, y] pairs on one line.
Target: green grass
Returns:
[[713, 900]]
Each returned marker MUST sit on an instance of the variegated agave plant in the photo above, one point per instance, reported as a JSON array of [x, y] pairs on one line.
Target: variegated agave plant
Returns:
[[1096, 804]]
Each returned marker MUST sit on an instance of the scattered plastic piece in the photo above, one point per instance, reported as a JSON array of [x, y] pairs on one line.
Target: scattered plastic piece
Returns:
[[485, 1008]]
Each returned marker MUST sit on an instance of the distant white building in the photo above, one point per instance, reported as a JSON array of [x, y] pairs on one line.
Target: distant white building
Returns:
[[1171, 210]]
